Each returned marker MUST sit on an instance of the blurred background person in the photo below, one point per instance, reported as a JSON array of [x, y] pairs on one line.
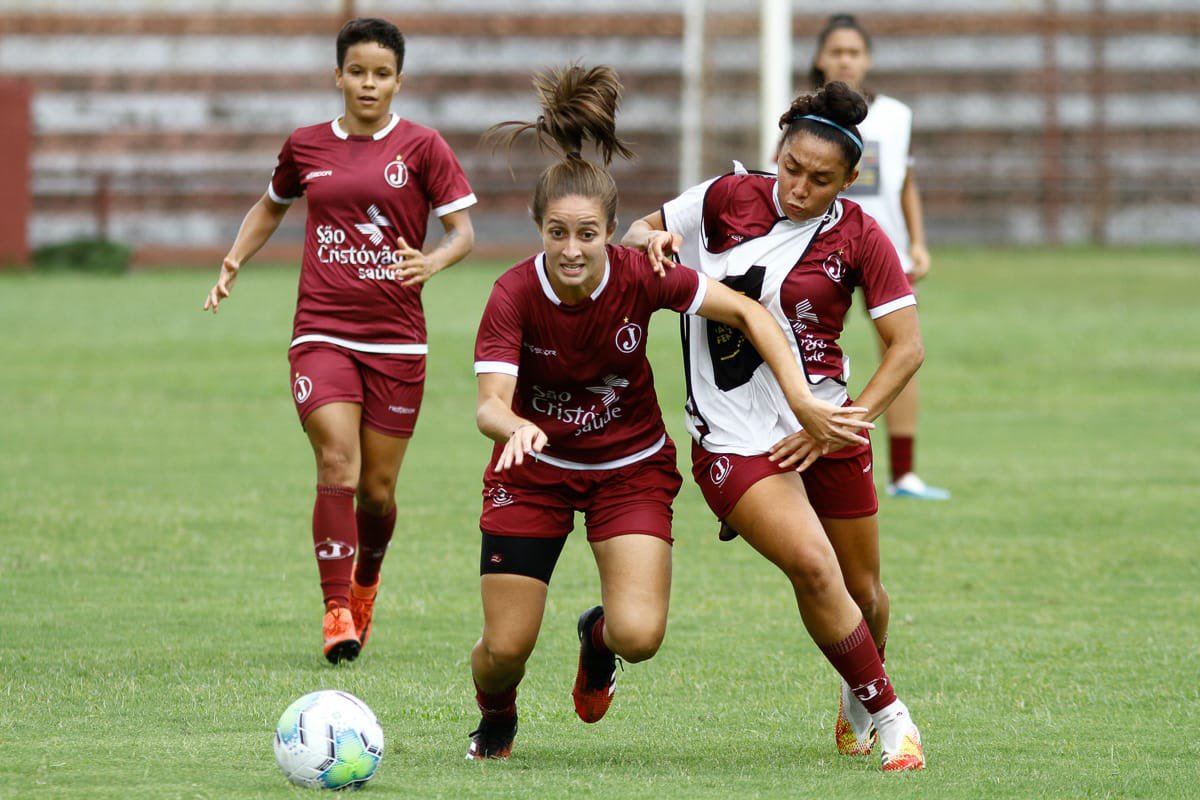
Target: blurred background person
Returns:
[[887, 190]]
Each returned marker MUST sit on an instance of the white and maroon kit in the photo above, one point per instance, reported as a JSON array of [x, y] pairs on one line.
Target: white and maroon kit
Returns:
[[734, 230], [364, 194]]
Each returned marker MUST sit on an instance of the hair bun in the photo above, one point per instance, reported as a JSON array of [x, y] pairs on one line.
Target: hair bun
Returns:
[[840, 103]]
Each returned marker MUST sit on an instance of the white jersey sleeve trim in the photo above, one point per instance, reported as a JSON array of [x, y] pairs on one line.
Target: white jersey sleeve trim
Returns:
[[465, 201], [624, 461], [502, 367], [701, 293], [894, 305], [283, 201], [363, 347]]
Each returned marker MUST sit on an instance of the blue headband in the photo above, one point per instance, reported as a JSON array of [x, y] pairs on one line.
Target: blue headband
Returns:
[[857, 141]]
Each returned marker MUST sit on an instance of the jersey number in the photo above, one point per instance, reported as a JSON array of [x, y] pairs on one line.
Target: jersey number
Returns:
[[734, 359]]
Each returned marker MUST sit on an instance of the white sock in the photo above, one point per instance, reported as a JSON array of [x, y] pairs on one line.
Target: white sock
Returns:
[[892, 722]]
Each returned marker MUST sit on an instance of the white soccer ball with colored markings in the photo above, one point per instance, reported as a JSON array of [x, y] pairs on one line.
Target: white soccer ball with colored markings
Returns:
[[328, 740]]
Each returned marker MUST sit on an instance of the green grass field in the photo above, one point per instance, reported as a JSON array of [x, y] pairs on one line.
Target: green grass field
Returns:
[[160, 604]]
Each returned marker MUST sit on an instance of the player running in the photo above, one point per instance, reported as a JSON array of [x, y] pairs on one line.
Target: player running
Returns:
[[566, 392], [789, 242], [358, 344]]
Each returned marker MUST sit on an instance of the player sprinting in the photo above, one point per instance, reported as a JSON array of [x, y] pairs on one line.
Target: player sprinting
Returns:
[[358, 346], [791, 243], [887, 191], [567, 395]]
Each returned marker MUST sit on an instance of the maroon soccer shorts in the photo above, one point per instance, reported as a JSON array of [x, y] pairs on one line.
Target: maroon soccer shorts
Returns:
[[388, 387], [839, 485], [538, 499]]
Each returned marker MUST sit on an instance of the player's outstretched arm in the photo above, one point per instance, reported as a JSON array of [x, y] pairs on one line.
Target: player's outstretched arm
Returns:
[[650, 234], [496, 420], [455, 244], [260, 222], [828, 427]]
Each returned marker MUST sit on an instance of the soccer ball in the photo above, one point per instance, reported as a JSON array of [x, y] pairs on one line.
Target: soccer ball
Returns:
[[328, 740]]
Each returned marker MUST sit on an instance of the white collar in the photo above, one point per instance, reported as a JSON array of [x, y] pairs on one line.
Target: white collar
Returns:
[[539, 266], [341, 133]]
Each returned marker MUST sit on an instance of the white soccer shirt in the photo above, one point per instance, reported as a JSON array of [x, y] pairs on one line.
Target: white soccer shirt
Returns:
[[887, 134], [734, 230]]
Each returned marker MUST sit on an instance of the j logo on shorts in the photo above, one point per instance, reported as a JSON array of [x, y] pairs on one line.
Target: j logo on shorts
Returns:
[[718, 473], [302, 388]]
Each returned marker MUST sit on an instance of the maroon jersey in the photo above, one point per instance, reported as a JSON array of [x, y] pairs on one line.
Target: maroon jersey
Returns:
[[582, 373], [364, 194], [818, 291]]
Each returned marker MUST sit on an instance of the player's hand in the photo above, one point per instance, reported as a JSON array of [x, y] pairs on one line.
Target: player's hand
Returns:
[[660, 247], [834, 427], [919, 254], [796, 450], [526, 439], [415, 267], [229, 273]]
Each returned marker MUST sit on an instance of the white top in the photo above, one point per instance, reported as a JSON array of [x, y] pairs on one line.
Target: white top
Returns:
[[886, 133]]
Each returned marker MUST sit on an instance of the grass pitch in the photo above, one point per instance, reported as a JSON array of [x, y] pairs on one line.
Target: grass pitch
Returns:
[[161, 609]]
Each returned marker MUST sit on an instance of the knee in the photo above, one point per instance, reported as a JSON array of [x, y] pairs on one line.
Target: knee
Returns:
[[505, 654], [336, 465], [812, 572], [637, 642], [868, 595], [376, 497]]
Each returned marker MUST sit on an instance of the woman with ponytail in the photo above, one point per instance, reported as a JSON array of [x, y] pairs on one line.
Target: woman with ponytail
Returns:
[[790, 242], [567, 395]]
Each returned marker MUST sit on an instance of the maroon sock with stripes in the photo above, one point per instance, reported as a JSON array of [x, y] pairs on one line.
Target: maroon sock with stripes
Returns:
[[857, 660], [374, 535], [335, 538], [900, 449], [499, 706]]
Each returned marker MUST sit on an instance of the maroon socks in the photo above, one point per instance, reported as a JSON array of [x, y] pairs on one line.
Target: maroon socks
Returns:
[[335, 538], [857, 660], [374, 535]]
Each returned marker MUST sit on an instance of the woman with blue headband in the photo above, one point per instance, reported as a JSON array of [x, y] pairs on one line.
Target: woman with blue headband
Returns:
[[789, 241]]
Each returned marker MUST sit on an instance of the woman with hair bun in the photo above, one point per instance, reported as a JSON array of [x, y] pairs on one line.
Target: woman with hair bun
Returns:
[[790, 242], [567, 395]]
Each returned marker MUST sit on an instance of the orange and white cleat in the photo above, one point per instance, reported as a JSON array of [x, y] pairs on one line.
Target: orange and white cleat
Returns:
[[596, 677], [493, 739], [341, 637], [362, 608], [854, 732]]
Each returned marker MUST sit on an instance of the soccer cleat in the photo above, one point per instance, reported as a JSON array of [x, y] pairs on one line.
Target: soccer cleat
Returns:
[[908, 756], [362, 607], [492, 739], [910, 485], [726, 533], [854, 730], [596, 678], [341, 639]]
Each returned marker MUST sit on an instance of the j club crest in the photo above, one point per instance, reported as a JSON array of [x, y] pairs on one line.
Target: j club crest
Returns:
[[629, 336], [834, 267], [395, 173]]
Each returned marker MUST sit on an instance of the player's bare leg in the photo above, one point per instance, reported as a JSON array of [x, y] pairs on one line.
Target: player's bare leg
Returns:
[[856, 542], [513, 607], [635, 591]]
